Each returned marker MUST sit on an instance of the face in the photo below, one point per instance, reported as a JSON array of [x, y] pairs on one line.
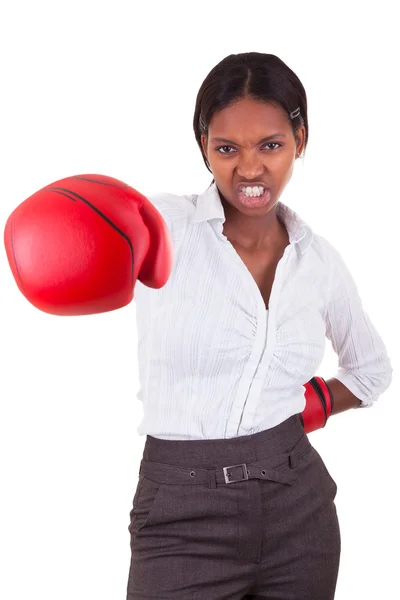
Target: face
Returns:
[[251, 149]]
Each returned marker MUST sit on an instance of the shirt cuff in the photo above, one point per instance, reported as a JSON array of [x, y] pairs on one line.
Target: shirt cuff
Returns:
[[350, 380]]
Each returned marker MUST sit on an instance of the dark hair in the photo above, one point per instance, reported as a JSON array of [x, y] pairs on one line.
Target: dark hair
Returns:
[[252, 74]]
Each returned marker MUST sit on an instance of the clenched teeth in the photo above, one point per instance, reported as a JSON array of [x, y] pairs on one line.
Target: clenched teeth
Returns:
[[256, 190]]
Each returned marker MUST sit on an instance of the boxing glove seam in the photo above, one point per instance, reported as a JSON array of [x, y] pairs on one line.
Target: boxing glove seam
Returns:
[[320, 394], [122, 187], [59, 190]]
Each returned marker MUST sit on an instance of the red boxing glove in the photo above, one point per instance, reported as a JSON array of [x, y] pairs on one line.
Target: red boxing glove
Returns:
[[78, 245], [319, 404]]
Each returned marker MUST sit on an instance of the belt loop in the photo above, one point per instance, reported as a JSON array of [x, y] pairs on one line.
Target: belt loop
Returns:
[[292, 460], [212, 480]]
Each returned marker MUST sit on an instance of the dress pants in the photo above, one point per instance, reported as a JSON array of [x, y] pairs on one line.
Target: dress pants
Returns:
[[237, 518]]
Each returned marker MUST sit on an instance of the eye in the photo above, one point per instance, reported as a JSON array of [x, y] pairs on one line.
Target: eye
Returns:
[[273, 144], [225, 149]]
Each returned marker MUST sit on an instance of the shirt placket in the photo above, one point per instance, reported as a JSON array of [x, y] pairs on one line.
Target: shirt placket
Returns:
[[244, 408]]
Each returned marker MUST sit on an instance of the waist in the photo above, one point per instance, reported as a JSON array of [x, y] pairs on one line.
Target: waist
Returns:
[[215, 453]]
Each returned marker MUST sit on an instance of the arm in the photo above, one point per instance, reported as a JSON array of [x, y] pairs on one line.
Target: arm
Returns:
[[343, 398], [363, 364], [324, 399], [364, 371]]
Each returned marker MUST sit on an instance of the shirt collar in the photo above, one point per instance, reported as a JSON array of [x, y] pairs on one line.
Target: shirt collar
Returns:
[[209, 206]]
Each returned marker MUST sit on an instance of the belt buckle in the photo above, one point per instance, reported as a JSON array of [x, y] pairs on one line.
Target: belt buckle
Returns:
[[227, 474]]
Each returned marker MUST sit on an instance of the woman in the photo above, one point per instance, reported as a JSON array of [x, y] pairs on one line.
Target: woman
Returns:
[[232, 500]]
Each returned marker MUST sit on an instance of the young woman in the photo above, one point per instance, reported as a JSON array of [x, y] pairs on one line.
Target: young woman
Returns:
[[233, 501]]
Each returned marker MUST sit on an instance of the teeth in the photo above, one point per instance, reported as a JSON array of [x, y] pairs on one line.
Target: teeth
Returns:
[[256, 190]]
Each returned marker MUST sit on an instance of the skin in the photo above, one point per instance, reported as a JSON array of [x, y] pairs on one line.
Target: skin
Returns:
[[256, 233], [246, 160]]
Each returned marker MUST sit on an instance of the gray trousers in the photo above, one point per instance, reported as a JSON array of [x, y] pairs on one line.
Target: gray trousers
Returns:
[[230, 519]]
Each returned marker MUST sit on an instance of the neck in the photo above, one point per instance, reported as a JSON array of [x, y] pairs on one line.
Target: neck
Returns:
[[254, 233]]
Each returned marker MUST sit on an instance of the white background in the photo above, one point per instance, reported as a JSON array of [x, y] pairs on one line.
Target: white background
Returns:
[[110, 87]]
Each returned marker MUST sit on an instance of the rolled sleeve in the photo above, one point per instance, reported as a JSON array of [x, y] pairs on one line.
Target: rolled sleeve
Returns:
[[364, 366]]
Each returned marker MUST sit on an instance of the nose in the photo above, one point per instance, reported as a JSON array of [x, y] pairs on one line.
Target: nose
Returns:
[[250, 166]]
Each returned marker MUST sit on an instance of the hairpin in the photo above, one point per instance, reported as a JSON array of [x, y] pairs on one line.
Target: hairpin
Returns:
[[295, 113]]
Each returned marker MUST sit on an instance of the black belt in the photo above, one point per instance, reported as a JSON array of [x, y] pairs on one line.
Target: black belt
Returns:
[[280, 468]]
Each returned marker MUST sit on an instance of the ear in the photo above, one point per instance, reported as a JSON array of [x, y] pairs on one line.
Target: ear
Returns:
[[300, 139]]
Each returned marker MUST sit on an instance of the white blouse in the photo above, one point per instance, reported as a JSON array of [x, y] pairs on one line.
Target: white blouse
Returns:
[[213, 362]]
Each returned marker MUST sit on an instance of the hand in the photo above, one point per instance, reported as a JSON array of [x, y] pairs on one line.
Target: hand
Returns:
[[319, 404], [78, 245]]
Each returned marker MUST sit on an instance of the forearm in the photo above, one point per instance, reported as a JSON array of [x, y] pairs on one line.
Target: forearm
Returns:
[[343, 399]]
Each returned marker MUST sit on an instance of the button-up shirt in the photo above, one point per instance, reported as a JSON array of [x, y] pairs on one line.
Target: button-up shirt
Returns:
[[213, 362]]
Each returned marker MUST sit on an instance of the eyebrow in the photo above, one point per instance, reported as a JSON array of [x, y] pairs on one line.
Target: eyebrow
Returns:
[[265, 139]]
